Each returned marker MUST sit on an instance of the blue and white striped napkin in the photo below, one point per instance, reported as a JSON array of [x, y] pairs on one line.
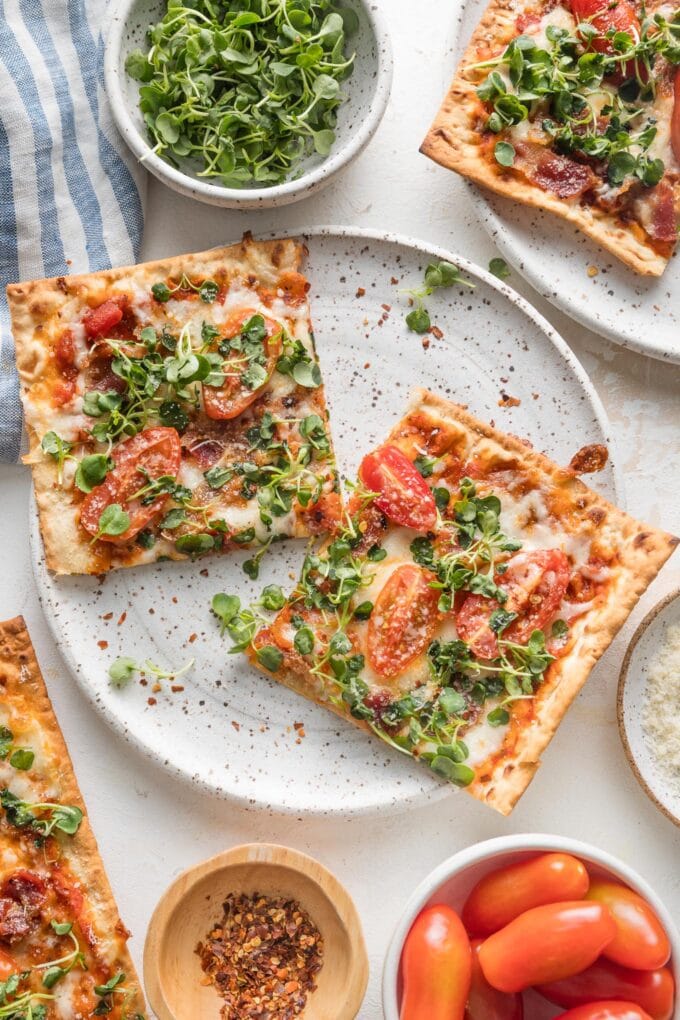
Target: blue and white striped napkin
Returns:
[[71, 196]]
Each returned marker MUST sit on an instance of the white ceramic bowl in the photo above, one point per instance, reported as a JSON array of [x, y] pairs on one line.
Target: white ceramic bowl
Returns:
[[452, 881], [367, 92]]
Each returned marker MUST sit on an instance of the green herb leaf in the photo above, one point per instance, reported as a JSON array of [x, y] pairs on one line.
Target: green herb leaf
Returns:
[[92, 471], [22, 759], [113, 521], [499, 268], [270, 657], [504, 153]]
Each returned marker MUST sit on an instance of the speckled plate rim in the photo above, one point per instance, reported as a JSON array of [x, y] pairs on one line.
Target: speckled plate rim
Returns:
[[501, 235], [249, 198], [666, 601], [341, 811]]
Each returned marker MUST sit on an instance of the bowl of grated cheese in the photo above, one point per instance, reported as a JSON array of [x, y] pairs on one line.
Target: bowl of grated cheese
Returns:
[[648, 705]]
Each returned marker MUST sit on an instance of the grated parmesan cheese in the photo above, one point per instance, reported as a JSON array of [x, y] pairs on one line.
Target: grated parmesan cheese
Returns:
[[661, 709]]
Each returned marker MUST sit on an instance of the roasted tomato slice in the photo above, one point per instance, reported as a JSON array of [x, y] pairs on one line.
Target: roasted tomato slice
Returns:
[[403, 620], [535, 582], [619, 16], [7, 966], [100, 320], [405, 497], [153, 453], [235, 394], [675, 118]]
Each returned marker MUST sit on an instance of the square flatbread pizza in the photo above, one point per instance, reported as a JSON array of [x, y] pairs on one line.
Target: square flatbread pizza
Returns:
[[63, 951], [574, 107], [460, 607], [174, 408]]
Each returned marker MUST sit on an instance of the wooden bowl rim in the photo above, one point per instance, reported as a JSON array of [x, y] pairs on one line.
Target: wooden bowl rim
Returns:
[[278, 856], [623, 679]]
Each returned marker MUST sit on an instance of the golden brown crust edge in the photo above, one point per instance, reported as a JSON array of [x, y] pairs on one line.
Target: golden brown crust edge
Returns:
[[454, 143], [67, 551], [646, 552], [22, 686]]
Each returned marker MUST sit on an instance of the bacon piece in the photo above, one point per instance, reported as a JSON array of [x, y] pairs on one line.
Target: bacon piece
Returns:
[[553, 172], [206, 451], [21, 898], [655, 210]]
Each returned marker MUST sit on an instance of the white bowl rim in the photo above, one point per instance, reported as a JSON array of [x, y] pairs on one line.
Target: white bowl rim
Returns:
[[489, 848], [279, 193]]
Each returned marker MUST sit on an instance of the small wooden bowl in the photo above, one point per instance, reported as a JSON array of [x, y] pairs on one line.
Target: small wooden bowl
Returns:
[[193, 904]]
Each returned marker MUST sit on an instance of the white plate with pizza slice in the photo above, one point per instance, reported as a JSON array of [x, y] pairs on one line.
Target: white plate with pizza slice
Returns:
[[224, 727], [568, 268]]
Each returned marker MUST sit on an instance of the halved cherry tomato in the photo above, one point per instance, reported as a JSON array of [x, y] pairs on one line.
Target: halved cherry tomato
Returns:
[[535, 582], [654, 990], [158, 452], [619, 16], [98, 321], [546, 944], [484, 1001], [640, 941], [65, 354], [403, 620], [234, 396], [436, 965], [675, 118], [7, 966], [503, 895], [607, 1011], [405, 497]]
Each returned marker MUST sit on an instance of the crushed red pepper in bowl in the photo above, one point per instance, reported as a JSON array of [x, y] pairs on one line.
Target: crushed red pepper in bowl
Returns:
[[262, 956]]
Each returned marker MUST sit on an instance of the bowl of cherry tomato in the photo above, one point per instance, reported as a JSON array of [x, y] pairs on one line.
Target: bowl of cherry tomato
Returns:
[[533, 927]]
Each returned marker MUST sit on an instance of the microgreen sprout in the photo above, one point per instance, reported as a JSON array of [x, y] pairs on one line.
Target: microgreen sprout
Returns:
[[43, 819], [437, 275], [123, 669]]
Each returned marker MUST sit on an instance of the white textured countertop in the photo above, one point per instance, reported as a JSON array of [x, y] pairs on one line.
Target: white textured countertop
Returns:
[[149, 827]]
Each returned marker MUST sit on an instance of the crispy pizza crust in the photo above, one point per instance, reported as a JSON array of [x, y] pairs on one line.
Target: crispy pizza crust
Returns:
[[642, 551], [23, 691], [68, 549], [455, 141]]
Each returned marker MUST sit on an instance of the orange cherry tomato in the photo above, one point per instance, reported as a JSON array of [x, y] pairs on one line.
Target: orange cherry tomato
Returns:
[[535, 582], [100, 320], [436, 966], [484, 1001], [607, 1011], [653, 990], [675, 118], [234, 395], [158, 452], [546, 944], [403, 620], [405, 497], [640, 942], [7, 966], [503, 895]]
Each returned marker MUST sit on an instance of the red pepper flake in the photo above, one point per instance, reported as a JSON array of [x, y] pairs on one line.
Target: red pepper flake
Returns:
[[262, 956], [151, 701], [237, 726], [103, 644], [508, 401], [394, 281], [176, 688], [425, 342], [122, 618], [360, 291], [192, 638], [107, 616], [387, 308], [436, 331]]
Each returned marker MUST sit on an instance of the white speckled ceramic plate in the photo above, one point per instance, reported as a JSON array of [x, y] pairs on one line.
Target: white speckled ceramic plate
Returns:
[[642, 650], [231, 729], [635, 311]]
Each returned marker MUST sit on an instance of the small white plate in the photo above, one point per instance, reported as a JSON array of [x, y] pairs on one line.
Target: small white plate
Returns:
[[643, 648], [232, 730], [555, 257]]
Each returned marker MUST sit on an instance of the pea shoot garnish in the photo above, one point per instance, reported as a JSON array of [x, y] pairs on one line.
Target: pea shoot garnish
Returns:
[[42, 819], [437, 275], [244, 95], [20, 758]]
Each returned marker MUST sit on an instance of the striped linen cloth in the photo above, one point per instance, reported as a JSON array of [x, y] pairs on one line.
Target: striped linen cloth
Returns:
[[71, 196]]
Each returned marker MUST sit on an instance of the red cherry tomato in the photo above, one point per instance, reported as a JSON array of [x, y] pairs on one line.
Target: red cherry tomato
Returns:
[[485, 1002], [233, 396], [675, 118], [546, 944], [641, 941], [405, 497], [607, 1011], [7, 966], [98, 321], [158, 452], [403, 620], [436, 965], [503, 895], [654, 990], [535, 582]]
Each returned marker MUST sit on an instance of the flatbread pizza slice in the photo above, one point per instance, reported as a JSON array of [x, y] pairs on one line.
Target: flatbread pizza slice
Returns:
[[63, 952], [462, 604], [174, 408], [574, 107]]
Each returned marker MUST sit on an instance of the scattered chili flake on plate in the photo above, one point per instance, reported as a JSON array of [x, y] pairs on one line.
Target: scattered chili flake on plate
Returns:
[[262, 956]]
